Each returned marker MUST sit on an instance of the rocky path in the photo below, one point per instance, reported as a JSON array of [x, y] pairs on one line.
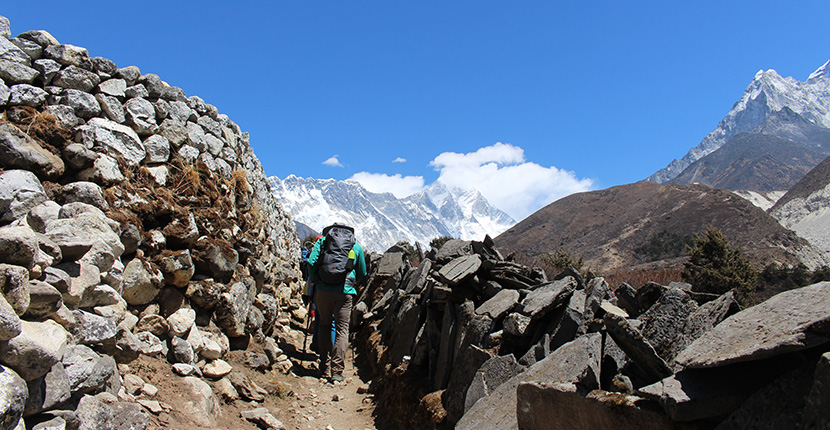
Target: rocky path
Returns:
[[299, 400], [316, 404]]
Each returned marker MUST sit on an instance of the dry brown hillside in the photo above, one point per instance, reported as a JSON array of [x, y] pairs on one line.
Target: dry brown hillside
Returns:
[[606, 227]]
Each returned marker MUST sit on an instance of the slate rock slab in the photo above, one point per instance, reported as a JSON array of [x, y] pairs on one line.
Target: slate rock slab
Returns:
[[500, 304], [548, 296], [630, 340], [790, 321], [460, 269], [541, 404], [576, 362]]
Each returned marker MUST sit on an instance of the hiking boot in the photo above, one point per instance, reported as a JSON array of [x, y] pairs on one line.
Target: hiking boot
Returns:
[[325, 373], [337, 378]]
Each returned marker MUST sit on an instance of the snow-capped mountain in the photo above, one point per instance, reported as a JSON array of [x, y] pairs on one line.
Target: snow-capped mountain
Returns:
[[381, 220], [767, 93]]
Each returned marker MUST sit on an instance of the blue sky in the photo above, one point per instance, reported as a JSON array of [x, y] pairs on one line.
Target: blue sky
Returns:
[[580, 95]]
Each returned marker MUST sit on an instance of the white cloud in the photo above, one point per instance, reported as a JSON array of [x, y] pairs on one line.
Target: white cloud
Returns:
[[333, 162], [502, 175], [400, 186], [399, 160]]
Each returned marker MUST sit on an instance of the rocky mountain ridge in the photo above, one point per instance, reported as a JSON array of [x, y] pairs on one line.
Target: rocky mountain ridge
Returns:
[[770, 157], [767, 93], [381, 220]]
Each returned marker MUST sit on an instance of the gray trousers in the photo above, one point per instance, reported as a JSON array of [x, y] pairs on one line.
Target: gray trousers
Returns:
[[338, 307]]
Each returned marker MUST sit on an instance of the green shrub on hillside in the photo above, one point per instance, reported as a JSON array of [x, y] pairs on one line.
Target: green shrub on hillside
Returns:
[[438, 242], [781, 277], [716, 267]]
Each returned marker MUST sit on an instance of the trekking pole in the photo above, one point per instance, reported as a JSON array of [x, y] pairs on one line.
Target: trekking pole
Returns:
[[310, 318]]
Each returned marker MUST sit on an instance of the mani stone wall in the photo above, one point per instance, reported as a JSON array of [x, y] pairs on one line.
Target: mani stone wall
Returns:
[[133, 220]]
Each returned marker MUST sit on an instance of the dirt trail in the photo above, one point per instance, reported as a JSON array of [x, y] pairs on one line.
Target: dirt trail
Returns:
[[300, 400], [317, 404]]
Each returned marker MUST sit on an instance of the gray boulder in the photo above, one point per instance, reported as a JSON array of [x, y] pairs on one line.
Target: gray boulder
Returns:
[[68, 55], [157, 148], [32, 49], [500, 304], [493, 373], [10, 52], [91, 329], [664, 321], [104, 170], [84, 105], [576, 362], [112, 107], [153, 84], [14, 284], [113, 87], [85, 192], [630, 340], [177, 267], [76, 235], [129, 74], [86, 370], [38, 347], [19, 246], [94, 414], [20, 191], [17, 73], [198, 402], [41, 37], [10, 325], [790, 321], [5, 27], [13, 395], [48, 392], [460, 269], [82, 278], [26, 95], [142, 282], [47, 68], [76, 78], [541, 404], [231, 311], [548, 297], [113, 139], [196, 136], [44, 300], [141, 114], [79, 156]]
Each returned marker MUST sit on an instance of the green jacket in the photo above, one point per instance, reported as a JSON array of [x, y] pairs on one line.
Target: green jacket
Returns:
[[357, 273]]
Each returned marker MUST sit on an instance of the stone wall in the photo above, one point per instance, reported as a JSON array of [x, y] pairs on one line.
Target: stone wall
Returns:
[[469, 339], [133, 220]]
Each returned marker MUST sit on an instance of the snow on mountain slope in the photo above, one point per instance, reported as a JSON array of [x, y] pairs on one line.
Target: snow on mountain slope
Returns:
[[768, 92], [381, 220]]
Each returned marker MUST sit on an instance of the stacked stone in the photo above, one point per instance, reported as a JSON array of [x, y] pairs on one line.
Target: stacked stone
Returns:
[[504, 347], [133, 220]]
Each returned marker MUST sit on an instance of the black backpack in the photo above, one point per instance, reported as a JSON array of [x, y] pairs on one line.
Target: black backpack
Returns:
[[336, 259]]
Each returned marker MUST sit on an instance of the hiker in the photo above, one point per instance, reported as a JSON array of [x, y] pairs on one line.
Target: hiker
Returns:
[[337, 263], [308, 300]]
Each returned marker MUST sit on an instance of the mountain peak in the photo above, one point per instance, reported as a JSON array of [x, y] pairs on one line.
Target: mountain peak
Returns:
[[381, 220], [822, 72], [767, 93]]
